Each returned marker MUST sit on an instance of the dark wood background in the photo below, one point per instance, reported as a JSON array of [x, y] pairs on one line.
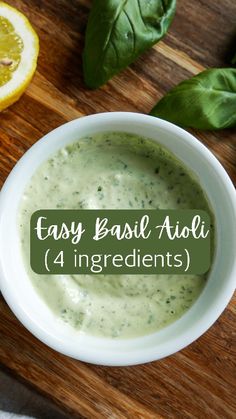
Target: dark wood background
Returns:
[[200, 380]]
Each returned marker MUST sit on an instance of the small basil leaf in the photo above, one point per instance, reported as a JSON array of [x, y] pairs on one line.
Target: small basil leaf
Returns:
[[118, 31], [234, 60], [206, 101]]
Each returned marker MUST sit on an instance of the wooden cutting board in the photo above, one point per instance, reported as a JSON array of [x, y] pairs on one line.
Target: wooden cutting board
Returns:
[[200, 380]]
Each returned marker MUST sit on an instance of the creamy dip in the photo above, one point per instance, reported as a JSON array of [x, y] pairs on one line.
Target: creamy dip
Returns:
[[113, 170]]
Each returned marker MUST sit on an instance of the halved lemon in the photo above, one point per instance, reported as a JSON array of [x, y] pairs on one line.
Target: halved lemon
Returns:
[[19, 48]]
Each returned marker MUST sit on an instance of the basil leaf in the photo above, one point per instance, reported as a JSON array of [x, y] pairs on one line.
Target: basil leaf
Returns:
[[206, 101], [118, 31]]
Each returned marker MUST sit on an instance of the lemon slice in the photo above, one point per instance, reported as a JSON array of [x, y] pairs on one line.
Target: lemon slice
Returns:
[[19, 47]]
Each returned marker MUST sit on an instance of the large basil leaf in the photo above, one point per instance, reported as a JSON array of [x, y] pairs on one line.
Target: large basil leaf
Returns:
[[206, 101], [118, 31]]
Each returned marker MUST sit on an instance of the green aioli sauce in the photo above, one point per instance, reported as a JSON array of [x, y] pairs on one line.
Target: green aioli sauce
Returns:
[[113, 170]]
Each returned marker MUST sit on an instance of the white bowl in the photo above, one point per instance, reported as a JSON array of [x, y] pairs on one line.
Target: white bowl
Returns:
[[31, 310]]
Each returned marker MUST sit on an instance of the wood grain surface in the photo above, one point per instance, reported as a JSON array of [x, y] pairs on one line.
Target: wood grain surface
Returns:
[[199, 381]]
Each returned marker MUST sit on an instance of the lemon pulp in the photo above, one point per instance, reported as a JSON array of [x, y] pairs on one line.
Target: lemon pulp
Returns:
[[11, 46], [19, 48]]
